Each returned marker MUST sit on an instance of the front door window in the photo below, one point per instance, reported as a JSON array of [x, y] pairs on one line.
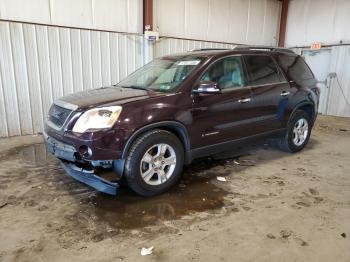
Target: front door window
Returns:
[[228, 73]]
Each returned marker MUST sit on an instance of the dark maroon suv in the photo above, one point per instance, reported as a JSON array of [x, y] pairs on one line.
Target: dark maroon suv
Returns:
[[178, 108]]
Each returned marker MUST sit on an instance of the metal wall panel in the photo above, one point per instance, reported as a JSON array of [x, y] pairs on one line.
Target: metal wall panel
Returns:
[[39, 64], [85, 36], [77, 65], [8, 82], [110, 15], [3, 119], [24, 10], [340, 64], [34, 87], [44, 68], [323, 21], [21, 80], [232, 21]]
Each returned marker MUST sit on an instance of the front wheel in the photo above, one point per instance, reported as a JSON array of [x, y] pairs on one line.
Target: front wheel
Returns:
[[298, 132], [154, 163]]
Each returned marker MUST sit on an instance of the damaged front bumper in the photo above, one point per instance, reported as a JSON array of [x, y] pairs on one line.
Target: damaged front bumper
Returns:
[[90, 178], [71, 164]]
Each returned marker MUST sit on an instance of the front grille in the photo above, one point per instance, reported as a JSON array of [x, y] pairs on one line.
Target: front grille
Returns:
[[58, 115]]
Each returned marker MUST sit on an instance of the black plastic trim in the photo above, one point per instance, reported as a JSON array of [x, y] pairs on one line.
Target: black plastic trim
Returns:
[[301, 104]]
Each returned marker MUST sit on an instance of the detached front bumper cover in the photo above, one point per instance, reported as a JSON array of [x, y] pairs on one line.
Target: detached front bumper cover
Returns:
[[90, 178], [65, 153]]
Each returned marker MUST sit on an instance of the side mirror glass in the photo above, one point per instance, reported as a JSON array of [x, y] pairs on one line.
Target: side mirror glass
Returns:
[[207, 87]]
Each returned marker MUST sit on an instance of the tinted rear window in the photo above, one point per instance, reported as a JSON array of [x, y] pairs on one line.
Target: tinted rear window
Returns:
[[262, 70], [295, 68]]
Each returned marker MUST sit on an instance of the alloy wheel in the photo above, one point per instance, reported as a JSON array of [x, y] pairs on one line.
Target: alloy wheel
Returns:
[[300, 131], [158, 164]]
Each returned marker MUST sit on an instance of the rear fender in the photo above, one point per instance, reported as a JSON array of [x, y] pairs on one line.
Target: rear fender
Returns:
[[303, 105]]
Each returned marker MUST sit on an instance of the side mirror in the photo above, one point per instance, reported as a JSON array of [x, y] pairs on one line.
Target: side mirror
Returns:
[[207, 87]]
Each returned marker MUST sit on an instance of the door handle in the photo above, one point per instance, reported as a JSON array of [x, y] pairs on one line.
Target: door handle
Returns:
[[244, 100], [285, 93]]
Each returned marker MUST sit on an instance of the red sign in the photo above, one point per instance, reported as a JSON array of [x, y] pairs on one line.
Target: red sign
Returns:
[[316, 46]]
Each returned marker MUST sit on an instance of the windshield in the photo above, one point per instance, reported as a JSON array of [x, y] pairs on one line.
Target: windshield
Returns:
[[163, 75]]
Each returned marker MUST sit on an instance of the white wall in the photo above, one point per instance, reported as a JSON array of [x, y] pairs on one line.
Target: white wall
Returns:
[[39, 64], [339, 102], [111, 15], [231, 21], [325, 21]]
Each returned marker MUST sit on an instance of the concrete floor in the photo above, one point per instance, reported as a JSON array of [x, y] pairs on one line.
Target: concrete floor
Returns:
[[274, 207]]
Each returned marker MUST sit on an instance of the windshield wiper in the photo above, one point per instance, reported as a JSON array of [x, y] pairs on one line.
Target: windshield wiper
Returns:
[[135, 87]]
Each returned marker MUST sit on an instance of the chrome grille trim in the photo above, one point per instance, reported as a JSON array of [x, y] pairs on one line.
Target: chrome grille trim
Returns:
[[64, 106]]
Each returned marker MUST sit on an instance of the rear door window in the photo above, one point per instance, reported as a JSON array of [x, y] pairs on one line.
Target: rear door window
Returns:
[[262, 70], [228, 73], [295, 68]]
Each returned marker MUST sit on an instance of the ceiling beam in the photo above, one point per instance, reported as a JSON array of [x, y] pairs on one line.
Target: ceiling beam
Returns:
[[283, 23], [147, 15]]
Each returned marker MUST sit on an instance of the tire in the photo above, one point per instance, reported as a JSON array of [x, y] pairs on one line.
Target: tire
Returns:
[[139, 164], [290, 142]]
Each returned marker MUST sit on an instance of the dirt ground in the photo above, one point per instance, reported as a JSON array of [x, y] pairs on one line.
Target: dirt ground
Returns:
[[274, 206]]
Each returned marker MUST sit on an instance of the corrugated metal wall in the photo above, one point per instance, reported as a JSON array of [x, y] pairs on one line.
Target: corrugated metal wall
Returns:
[[38, 64], [233, 21], [168, 46], [325, 21], [111, 15], [340, 64]]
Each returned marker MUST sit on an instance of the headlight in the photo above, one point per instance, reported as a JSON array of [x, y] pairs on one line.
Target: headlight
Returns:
[[97, 118]]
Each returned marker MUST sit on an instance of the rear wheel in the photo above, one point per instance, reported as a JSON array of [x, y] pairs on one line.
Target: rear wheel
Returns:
[[298, 132], [154, 163]]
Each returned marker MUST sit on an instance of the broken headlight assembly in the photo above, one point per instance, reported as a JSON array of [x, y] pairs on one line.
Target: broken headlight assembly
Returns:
[[97, 118]]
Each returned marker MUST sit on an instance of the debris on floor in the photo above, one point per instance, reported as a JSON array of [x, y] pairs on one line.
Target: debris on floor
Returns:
[[271, 236], [301, 242], [236, 162], [313, 191], [286, 233], [221, 178], [343, 235], [3, 204], [146, 251]]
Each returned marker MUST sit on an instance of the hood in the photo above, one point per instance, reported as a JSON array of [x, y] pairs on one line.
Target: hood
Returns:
[[102, 96]]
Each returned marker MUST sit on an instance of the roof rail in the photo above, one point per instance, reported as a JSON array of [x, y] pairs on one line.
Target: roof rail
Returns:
[[210, 49], [264, 48], [247, 47]]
